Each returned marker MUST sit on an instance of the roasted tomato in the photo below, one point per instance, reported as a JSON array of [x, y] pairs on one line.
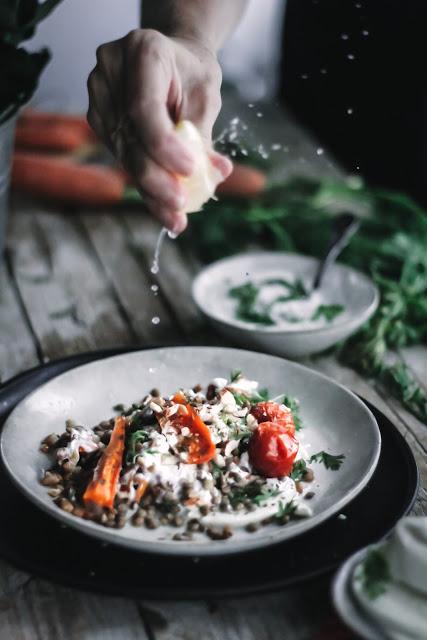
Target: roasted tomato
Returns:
[[272, 449], [273, 412]]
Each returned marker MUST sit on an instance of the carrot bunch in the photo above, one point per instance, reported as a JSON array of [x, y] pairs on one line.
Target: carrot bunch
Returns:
[[46, 165]]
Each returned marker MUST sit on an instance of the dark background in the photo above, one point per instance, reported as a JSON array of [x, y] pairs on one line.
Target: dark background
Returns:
[[384, 137]]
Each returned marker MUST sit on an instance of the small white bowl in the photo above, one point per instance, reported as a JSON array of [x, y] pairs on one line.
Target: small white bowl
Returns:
[[342, 285]]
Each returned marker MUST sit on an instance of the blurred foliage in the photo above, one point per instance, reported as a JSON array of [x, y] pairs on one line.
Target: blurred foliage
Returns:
[[391, 247], [20, 70]]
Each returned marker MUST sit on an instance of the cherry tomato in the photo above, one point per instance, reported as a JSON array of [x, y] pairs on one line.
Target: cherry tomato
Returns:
[[272, 449], [201, 448], [273, 412]]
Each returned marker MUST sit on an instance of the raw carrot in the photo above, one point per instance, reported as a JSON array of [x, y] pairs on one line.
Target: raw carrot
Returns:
[[49, 137], [65, 181], [243, 182], [36, 117], [103, 487]]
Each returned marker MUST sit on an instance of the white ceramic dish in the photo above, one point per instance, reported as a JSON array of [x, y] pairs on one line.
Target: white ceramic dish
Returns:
[[342, 285], [335, 421], [346, 605]]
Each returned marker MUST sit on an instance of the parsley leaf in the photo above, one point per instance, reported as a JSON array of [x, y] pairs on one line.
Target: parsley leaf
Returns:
[[298, 470], [285, 509], [246, 295], [327, 311], [331, 462], [137, 437], [374, 573]]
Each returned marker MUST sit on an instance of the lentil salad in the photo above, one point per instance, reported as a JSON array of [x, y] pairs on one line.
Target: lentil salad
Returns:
[[203, 461]]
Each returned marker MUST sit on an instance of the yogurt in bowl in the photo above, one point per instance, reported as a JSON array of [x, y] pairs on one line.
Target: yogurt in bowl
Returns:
[[264, 300]]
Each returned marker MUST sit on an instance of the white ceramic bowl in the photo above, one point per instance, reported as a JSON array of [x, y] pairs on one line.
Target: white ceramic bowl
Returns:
[[342, 285], [334, 420]]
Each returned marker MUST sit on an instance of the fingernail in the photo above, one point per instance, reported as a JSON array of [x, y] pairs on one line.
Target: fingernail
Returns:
[[178, 224]]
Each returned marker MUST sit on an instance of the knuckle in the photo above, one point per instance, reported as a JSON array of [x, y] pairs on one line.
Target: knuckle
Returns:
[[91, 81]]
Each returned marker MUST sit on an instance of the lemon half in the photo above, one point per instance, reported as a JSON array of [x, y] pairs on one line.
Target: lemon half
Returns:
[[201, 185]]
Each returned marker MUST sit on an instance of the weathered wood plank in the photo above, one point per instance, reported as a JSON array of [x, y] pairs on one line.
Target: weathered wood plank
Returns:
[[175, 275], [294, 614], [17, 345], [69, 301], [131, 278], [44, 611]]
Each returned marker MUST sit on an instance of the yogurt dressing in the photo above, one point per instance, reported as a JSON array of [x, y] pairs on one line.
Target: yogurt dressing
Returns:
[[401, 611], [297, 313]]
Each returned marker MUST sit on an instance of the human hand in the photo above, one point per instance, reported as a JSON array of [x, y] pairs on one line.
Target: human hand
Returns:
[[141, 86]]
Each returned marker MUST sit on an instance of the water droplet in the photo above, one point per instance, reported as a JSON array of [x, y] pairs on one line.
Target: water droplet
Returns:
[[344, 36], [365, 32], [259, 114], [243, 152], [351, 56], [251, 105], [358, 5], [151, 370], [319, 151], [155, 320], [276, 147], [349, 111], [323, 71], [154, 288], [154, 268], [304, 76], [172, 235]]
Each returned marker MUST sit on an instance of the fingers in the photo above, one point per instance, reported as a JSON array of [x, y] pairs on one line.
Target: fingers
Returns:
[[173, 221], [148, 84], [222, 163]]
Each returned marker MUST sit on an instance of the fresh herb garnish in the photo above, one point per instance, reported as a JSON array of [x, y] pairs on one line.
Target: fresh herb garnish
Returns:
[[252, 491], [286, 509], [240, 398], [119, 408], [374, 573], [235, 375], [262, 395], [331, 462], [298, 470], [137, 437], [389, 246], [296, 289], [246, 295], [327, 311], [293, 404], [216, 470], [244, 443]]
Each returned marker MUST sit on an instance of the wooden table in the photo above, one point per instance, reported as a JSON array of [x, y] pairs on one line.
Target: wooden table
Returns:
[[81, 281]]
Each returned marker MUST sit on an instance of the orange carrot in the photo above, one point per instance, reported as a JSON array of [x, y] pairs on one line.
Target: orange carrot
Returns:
[[49, 137], [243, 182], [142, 487], [103, 487], [65, 181], [34, 117]]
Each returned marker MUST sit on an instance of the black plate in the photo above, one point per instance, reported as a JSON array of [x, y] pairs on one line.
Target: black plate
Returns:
[[35, 542]]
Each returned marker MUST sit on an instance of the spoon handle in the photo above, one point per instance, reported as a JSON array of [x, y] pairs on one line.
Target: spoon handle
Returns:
[[344, 226]]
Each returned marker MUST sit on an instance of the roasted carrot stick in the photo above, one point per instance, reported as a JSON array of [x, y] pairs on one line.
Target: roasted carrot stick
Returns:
[[103, 487], [65, 181], [243, 182], [142, 487]]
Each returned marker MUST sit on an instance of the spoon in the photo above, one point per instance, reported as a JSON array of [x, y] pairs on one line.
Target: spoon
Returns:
[[344, 226]]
